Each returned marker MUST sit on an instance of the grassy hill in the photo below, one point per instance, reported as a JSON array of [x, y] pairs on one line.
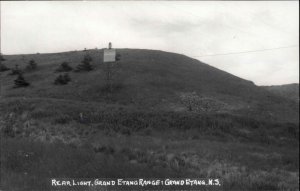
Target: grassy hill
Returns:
[[289, 91], [150, 125], [148, 79]]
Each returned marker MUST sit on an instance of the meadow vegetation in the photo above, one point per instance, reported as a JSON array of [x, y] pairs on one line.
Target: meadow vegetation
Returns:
[[20, 81], [62, 79], [74, 139], [32, 65], [3, 67]]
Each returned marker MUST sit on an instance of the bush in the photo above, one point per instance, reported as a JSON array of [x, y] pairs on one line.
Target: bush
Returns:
[[197, 103], [31, 65], [20, 81], [62, 79], [3, 68], [85, 64], [64, 67]]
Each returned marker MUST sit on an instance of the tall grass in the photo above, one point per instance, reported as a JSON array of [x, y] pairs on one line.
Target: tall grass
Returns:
[[129, 120], [28, 165]]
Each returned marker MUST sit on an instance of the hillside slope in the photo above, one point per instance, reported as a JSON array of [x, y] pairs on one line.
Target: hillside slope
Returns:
[[289, 91], [145, 127], [147, 79]]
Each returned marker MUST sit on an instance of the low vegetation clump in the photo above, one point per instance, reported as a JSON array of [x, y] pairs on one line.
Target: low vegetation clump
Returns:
[[32, 65], [20, 81], [62, 79], [64, 67], [197, 103], [85, 64], [3, 68]]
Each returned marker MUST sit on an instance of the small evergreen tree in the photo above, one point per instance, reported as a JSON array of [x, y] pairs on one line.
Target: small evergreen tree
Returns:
[[64, 67], [62, 79], [85, 64], [3, 68], [15, 71], [31, 65], [20, 81]]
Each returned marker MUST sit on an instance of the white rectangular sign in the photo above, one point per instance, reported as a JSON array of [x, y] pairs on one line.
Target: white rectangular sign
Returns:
[[109, 55]]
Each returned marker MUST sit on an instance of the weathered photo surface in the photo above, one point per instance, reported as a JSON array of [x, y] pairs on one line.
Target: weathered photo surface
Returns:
[[93, 92]]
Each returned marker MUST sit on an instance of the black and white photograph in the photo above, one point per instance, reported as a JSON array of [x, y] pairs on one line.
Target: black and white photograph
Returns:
[[149, 95]]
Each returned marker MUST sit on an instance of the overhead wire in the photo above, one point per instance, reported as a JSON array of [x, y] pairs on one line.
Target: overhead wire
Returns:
[[221, 54], [248, 51]]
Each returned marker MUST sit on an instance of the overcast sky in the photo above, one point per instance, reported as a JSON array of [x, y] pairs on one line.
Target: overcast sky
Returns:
[[205, 30]]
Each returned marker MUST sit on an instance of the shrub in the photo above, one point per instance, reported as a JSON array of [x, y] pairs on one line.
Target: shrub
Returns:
[[198, 103], [64, 67], [3, 68], [62, 79], [31, 65], [20, 81]]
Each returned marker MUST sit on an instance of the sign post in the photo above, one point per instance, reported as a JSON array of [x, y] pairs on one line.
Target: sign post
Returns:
[[109, 54], [109, 58]]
